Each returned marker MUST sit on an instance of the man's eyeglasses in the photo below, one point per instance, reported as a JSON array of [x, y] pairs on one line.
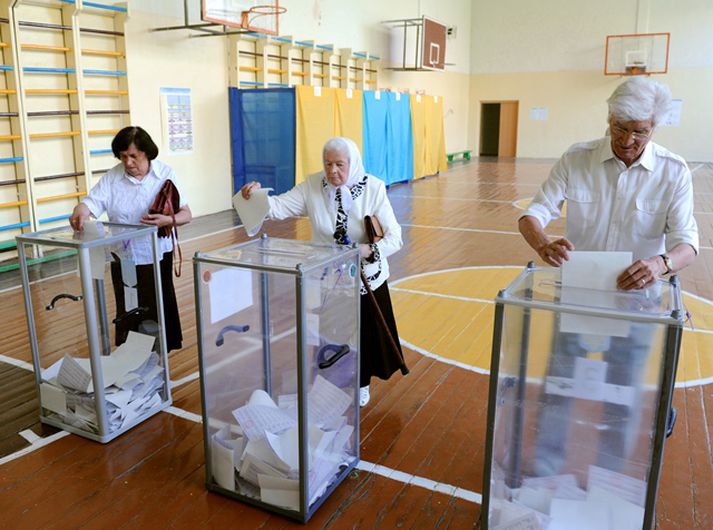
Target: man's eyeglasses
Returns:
[[639, 135]]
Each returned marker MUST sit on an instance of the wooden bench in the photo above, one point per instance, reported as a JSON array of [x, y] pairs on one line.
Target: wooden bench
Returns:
[[465, 155]]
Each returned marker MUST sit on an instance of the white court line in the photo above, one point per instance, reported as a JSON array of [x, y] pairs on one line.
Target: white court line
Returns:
[[455, 229], [30, 436], [406, 478], [33, 447], [436, 198], [471, 368], [17, 362]]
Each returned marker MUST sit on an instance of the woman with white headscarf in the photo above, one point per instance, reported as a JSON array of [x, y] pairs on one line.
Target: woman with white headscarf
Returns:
[[336, 201]]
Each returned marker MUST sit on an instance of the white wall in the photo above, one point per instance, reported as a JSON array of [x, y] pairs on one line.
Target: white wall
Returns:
[[178, 59], [551, 54]]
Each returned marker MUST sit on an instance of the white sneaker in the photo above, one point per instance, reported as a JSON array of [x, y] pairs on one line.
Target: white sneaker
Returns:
[[364, 396]]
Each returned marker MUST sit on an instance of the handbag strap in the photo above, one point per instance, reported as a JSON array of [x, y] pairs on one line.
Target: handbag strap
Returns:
[[176, 245]]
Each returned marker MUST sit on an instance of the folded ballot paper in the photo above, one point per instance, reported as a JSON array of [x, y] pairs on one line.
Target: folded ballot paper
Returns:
[[132, 380], [252, 211], [259, 456], [611, 501]]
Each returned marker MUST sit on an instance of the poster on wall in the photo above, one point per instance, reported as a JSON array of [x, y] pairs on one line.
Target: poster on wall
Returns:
[[177, 120], [674, 114]]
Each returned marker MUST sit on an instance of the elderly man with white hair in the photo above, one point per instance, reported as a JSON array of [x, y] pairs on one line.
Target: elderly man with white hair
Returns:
[[624, 193]]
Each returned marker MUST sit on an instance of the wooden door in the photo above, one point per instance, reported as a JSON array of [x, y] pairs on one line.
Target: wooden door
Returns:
[[507, 140]]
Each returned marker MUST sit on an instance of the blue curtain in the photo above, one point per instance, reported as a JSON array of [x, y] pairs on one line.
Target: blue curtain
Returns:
[[374, 139], [262, 126], [399, 135]]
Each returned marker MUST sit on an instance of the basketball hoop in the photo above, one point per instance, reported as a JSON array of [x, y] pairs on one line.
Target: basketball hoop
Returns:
[[255, 12]]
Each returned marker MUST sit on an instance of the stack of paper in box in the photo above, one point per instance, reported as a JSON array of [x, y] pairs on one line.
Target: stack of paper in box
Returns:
[[612, 501], [132, 384], [264, 447]]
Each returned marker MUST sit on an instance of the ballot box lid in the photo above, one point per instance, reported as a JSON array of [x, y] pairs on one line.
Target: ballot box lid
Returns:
[[279, 255], [95, 233], [544, 288]]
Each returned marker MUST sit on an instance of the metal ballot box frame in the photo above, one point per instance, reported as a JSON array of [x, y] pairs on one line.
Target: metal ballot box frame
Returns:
[[579, 403], [278, 344], [85, 387]]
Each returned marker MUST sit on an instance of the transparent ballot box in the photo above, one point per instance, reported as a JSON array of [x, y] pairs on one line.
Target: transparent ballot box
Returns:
[[278, 342], [579, 405], [96, 327]]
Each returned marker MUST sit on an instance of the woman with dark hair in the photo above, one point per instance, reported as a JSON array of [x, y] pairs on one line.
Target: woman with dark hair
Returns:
[[125, 193]]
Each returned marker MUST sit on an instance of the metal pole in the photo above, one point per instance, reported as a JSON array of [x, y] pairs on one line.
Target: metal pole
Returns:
[[32, 332], [197, 289], [514, 477], [90, 317], [163, 354], [302, 391], [492, 407], [265, 325], [668, 381], [103, 320]]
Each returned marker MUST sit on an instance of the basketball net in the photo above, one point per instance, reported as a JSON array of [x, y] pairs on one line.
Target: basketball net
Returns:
[[247, 19]]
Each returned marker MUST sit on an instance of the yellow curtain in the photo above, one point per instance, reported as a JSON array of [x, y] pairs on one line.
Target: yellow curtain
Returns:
[[435, 157], [348, 118], [418, 127], [315, 125]]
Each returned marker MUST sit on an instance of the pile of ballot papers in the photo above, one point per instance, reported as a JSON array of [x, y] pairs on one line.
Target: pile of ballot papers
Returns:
[[611, 501], [133, 381], [259, 456]]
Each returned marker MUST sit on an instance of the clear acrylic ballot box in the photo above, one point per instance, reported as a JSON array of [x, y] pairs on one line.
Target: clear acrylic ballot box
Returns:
[[99, 352], [278, 342], [579, 404]]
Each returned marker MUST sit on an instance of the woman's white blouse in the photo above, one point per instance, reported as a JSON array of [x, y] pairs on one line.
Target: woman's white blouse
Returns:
[[311, 198], [126, 200]]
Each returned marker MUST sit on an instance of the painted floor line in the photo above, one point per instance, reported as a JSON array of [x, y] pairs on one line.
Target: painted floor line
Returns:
[[432, 485], [17, 362], [445, 360], [41, 442], [394, 474], [438, 198], [440, 295], [455, 229]]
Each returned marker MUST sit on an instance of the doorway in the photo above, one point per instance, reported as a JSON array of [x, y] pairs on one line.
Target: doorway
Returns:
[[498, 128]]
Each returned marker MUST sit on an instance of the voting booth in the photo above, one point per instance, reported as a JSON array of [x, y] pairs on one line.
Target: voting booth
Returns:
[[91, 380], [579, 405], [278, 339]]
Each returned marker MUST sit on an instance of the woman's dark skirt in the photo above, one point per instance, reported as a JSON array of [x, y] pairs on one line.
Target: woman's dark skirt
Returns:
[[147, 298], [378, 357]]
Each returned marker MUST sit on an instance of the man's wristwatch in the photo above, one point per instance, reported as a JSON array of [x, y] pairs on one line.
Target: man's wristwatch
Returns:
[[668, 263]]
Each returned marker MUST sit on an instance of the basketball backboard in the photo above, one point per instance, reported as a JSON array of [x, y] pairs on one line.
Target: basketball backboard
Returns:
[[417, 44], [260, 16], [637, 54]]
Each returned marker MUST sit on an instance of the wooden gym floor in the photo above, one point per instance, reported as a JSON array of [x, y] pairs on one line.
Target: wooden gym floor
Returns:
[[422, 435]]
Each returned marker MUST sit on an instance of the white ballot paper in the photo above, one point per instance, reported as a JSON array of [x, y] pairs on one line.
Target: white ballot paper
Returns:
[[94, 230], [252, 211], [132, 377], [231, 291], [589, 280]]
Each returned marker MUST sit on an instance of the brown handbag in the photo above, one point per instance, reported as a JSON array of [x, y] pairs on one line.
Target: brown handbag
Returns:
[[167, 202], [374, 231]]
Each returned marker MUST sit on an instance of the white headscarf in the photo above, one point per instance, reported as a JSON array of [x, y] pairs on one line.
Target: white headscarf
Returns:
[[356, 169]]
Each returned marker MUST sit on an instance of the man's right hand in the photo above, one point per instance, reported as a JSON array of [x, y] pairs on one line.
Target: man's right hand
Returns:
[[555, 252], [248, 189]]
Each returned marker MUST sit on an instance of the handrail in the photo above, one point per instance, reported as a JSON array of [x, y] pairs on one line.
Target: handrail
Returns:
[[60, 197]]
